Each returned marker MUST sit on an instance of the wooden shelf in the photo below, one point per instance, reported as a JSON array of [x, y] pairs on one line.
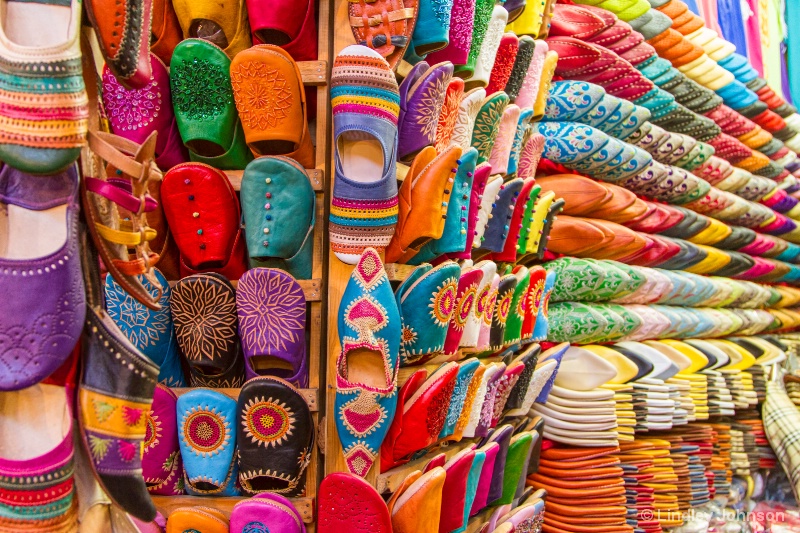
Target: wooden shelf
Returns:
[[311, 396], [390, 481], [398, 272], [312, 288], [314, 73], [167, 504], [315, 175]]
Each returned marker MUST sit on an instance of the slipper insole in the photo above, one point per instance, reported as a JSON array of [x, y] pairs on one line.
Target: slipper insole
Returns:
[[361, 157], [18, 225], [366, 367], [36, 25], [33, 421]]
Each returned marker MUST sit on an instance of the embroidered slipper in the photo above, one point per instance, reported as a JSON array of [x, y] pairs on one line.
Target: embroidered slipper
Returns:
[[534, 296], [42, 324], [204, 312], [162, 466], [484, 335], [486, 409], [364, 204], [290, 25], [449, 114], [202, 98], [136, 113], [490, 450], [487, 124], [472, 326], [465, 304], [466, 373], [347, 501], [150, 331], [385, 27], [488, 48], [115, 393], [524, 132], [204, 214], [275, 429], [207, 423], [422, 97], [462, 19], [369, 330], [503, 64], [223, 24], [251, 515], [269, 95], [513, 333], [271, 307], [542, 326], [42, 129], [503, 143], [426, 301]]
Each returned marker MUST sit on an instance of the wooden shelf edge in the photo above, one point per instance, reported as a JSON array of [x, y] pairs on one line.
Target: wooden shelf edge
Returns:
[[311, 396], [167, 504], [312, 288], [313, 73], [315, 175], [390, 481], [398, 272]]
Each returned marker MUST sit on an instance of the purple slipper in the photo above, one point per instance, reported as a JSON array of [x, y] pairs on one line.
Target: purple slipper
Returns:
[[41, 284], [272, 325], [422, 96], [162, 467]]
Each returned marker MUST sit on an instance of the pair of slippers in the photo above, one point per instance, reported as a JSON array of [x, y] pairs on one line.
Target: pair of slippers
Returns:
[[265, 512]]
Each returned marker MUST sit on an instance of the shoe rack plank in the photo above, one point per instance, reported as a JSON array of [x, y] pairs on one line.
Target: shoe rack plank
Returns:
[[312, 288], [390, 481], [311, 396], [314, 73], [338, 276], [167, 504], [315, 175]]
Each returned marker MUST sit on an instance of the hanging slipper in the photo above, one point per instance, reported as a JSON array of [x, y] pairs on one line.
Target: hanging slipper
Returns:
[[369, 330], [269, 95], [223, 24], [42, 129], [279, 210], [290, 25], [364, 204], [275, 428], [162, 466], [449, 115], [347, 501], [150, 331], [41, 324], [135, 113], [204, 312], [207, 423], [271, 307], [385, 26], [204, 215], [462, 18]]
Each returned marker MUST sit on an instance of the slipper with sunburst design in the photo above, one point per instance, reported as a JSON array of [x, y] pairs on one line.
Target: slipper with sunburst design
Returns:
[[207, 437], [275, 437]]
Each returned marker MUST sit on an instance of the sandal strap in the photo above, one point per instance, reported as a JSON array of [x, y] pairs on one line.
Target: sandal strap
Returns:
[[117, 152], [127, 238], [115, 193], [134, 267], [393, 16]]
